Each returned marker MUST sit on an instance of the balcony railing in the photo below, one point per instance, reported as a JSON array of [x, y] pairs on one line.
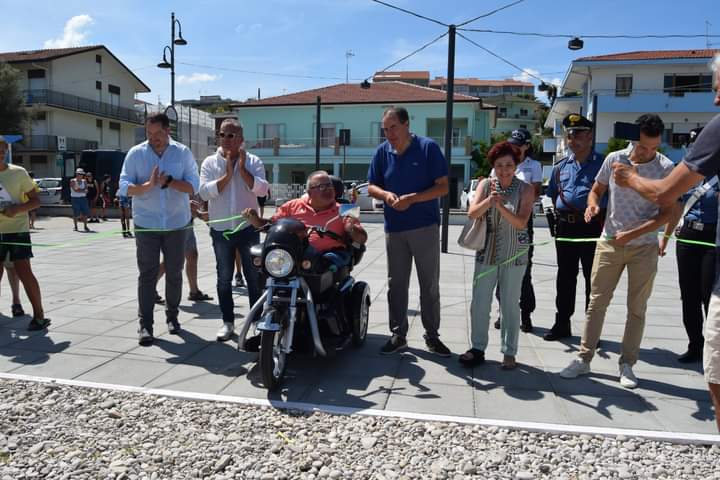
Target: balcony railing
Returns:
[[84, 105], [48, 143], [331, 145]]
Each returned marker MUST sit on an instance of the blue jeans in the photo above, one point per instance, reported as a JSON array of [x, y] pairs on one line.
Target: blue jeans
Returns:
[[225, 264]]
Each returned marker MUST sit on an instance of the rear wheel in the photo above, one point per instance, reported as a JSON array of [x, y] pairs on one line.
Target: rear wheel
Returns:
[[359, 312], [272, 358]]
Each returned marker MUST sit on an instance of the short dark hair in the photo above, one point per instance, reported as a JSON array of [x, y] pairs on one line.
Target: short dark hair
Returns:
[[650, 124], [400, 113], [160, 118], [502, 149]]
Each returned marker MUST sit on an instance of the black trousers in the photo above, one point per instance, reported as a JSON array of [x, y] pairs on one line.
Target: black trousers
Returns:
[[570, 256], [696, 276]]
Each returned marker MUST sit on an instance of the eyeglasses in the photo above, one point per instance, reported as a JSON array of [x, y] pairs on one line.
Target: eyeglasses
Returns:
[[228, 135], [322, 186]]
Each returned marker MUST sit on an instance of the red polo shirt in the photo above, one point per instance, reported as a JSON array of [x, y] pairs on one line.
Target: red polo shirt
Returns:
[[300, 209]]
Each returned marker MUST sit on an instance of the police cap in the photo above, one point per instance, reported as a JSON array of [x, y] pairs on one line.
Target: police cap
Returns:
[[576, 122]]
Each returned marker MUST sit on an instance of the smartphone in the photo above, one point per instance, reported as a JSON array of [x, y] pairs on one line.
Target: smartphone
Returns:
[[626, 131]]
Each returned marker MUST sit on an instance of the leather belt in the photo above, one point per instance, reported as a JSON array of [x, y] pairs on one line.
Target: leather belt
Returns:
[[700, 226]]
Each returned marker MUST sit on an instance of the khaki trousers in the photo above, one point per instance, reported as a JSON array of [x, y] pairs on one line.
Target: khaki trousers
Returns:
[[608, 265]]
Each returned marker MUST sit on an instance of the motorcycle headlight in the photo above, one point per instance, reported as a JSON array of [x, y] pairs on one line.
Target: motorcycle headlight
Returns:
[[278, 262]]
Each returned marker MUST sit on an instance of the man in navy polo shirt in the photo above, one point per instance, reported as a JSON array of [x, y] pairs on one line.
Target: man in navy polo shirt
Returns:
[[409, 173]]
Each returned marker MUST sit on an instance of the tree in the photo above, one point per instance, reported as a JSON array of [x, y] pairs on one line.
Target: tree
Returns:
[[478, 157], [13, 115], [615, 144]]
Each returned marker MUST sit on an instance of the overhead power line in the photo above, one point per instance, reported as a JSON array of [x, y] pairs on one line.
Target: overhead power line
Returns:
[[412, 53], [567, 35], [490, 13], [411, 13], [530, 74]]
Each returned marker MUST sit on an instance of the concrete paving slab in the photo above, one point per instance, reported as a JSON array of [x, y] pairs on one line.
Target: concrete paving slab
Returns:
[[433, 398], [63, 365]]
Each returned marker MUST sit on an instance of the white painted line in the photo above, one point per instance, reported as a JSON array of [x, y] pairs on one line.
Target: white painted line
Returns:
[[655, 435]]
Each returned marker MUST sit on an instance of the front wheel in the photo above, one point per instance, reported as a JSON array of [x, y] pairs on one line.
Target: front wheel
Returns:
[[272, 358], [359, 312]]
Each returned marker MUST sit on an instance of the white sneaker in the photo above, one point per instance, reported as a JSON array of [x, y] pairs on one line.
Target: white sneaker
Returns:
[[627, 377], [225, 332], [576, 368]]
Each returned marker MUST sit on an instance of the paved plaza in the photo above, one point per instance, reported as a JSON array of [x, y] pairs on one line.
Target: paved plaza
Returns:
[[89, 292]]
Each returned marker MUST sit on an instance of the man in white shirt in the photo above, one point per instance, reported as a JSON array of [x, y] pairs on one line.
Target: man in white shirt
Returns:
[[230, 181], [530, 172]]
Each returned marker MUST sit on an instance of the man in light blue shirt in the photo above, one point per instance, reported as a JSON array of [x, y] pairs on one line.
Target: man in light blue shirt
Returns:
[[160, 174]]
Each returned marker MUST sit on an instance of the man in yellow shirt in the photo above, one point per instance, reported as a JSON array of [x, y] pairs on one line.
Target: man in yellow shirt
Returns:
[[17, 197]]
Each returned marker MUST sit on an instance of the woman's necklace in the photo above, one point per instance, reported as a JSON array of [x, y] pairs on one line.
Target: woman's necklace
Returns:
[[505, 192]]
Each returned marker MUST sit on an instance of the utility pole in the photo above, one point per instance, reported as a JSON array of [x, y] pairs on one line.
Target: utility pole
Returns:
[[448, 135], [317, 135], [707, 34], [348, 54]]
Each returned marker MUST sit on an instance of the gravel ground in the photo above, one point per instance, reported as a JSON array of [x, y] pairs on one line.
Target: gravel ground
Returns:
[[62, 432]]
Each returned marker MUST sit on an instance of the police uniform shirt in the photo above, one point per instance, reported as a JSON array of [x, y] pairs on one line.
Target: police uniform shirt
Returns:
[[529, 171], [576, 180]]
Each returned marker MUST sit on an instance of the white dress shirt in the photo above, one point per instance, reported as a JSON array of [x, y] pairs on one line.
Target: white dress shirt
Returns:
[[237, 195]]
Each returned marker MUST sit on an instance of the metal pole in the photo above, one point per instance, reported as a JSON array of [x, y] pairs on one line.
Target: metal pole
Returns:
[[595, 118], [317, 135], [172, 59], [448, 135]]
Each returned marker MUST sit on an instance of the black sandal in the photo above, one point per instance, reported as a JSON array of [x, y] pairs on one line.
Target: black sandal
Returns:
[[17, 310], [199, 297], [472, 357]]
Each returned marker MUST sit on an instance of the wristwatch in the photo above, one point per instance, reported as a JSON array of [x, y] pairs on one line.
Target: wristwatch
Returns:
[[167, 182]]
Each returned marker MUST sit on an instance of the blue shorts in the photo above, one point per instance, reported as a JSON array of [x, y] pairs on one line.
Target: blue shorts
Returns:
[[80, 206], [125, 202]]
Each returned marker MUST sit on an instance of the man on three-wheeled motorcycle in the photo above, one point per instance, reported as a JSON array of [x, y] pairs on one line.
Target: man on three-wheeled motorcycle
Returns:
[[307, 256]]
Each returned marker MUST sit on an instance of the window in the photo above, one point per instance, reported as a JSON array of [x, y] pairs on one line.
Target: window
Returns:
[[678, 85], [114, 137], [267, 132], [327, 135], [297, 177], [37, 161], [623, 85], [523, 112], [679, 139], [377, 133], [98, 64], [502, 112], [36, 79], [455, 137], [99, 129], [114, 92]]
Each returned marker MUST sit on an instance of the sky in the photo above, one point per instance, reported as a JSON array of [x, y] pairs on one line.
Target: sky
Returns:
[[236, 48]]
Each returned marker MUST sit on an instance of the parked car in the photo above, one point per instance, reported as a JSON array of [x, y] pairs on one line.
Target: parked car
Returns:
[[50, 190], [365, 201], [469, 194]]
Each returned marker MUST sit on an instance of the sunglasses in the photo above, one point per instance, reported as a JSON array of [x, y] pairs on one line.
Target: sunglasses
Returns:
[[322, 186], [228, 135]]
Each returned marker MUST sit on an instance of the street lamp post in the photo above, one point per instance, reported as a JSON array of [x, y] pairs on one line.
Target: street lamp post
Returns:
[[171, 64]]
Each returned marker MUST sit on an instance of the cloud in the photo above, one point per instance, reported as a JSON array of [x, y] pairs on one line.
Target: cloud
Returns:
[[243, 28], [525, 76], [74, 33], [196, 78]]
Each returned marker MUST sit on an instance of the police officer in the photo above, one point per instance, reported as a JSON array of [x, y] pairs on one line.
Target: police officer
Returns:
[[570, 183], [696, 262]]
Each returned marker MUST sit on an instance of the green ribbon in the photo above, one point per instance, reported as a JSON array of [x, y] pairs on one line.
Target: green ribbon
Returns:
[[577, 240], [138, 230]]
